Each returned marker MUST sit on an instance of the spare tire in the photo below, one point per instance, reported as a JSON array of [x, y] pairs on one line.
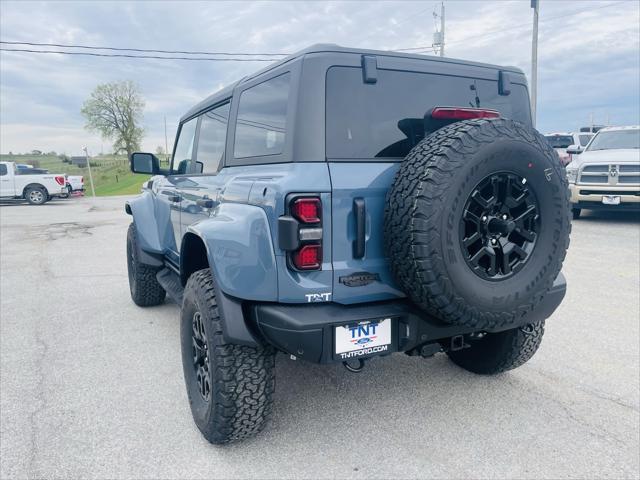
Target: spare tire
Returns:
[[477, 222]]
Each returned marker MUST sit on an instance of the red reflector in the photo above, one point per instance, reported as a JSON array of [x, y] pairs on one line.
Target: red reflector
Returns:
[[307, 210], [308, 257], [60, 180], [452, 113]]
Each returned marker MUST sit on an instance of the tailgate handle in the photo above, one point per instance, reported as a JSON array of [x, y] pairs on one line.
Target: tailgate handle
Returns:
[[359, 213]]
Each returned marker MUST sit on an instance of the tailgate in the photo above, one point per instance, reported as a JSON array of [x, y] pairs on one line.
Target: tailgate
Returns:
[[360, 275]]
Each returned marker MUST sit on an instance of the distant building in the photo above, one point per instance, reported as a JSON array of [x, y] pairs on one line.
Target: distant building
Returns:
[[79, 161]]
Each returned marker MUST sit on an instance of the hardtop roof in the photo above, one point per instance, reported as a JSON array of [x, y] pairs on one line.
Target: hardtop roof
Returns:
[[332, 48]]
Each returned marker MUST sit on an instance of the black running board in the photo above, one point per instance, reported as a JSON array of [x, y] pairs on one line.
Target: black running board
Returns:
[[170, 281]]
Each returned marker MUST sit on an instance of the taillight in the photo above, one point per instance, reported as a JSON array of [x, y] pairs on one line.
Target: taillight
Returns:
[[82, 180], [308, 257], [459, 113], [307, 210], [60, 180], [300, 233]]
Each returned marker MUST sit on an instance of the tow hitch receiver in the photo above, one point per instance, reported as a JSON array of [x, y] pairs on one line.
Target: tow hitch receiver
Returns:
[[353, 369], [457, 343]]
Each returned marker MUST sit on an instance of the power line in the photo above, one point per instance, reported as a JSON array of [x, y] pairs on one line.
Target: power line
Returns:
[[157, 57], [184, 52], [464, 40]]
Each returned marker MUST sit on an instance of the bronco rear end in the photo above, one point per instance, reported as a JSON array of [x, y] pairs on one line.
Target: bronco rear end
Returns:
[[362, 203]]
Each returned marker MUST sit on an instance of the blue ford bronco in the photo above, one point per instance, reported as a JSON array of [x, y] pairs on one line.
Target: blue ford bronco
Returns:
[[345, 204]]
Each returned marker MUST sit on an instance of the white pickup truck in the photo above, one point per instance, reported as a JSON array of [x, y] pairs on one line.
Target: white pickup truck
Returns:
[[34, 188]]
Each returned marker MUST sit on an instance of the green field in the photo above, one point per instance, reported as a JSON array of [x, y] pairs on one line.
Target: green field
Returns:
[[111, 174]]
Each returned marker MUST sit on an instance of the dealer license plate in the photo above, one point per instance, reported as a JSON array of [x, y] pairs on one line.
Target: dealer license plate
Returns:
[[364, 338], [611, 199]]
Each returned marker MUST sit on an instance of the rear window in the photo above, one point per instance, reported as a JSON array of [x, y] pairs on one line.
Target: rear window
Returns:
[[559, 141], [386, 119]]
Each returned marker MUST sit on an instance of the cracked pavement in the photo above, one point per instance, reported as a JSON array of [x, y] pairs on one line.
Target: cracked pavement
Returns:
[[91, 385]]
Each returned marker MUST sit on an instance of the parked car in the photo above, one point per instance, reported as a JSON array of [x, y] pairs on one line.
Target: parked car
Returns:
[[346, 210], [34, 188], [562, 141], [74, 183], [24, 169], [606, 176]]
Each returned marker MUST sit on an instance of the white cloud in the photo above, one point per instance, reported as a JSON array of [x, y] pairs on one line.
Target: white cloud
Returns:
[[588, 61]]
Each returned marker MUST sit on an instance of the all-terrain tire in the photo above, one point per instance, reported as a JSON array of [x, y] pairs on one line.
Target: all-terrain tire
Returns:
[[498, 352], [143, 284], [426, 211], [36, 195], [241, 379]]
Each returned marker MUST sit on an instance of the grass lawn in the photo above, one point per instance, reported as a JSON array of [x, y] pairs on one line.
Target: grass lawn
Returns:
[[111, 174]]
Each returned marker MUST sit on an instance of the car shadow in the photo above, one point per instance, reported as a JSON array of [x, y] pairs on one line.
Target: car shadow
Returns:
[[609, 216]]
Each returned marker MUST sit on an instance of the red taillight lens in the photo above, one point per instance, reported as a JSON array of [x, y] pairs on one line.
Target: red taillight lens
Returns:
[[308, 257], [60, 180], [455, 113], [307, 210], [82, 180]]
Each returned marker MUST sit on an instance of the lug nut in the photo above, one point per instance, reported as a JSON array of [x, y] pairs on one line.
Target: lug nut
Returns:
[[493, 241], [484, 218], [504, 216]]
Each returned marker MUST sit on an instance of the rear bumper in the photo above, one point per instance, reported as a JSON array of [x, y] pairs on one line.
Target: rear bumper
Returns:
[[307, 331]]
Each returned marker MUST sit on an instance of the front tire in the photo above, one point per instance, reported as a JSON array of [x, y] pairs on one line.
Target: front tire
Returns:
[[499, 352], [230, 387], [143, 285]]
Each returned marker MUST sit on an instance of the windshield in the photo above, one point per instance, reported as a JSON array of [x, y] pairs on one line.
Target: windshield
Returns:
[[584, 139], [559, 141], [616, 139]]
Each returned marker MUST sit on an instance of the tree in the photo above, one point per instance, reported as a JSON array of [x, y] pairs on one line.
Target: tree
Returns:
[[114, 110]]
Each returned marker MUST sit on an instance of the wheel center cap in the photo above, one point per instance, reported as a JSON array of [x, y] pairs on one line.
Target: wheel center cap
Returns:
[[498, 226]]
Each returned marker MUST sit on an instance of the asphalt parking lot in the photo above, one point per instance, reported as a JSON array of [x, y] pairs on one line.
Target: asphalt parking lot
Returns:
[[91, 385]]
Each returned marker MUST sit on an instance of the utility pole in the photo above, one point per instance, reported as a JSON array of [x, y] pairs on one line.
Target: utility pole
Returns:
[[438, 36], [86, 154], [535, 4], [166, 145], [442, 29]]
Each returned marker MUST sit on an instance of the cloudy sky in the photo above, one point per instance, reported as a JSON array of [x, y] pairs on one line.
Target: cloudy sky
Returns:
[[589, 55]]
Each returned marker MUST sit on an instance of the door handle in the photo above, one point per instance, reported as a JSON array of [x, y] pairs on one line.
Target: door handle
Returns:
[[205, 203], [173, 198], [359, 211]]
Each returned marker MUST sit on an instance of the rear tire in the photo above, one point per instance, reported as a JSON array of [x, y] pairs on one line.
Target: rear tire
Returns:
[[576, 213], [499, 352], [36, 195], [230, 387], [143, 285]]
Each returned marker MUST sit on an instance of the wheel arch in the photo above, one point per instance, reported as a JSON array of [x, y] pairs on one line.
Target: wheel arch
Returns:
[[33, 185], [239, 251]]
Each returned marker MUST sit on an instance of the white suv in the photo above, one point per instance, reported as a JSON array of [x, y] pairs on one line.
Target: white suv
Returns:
[[606, 175]]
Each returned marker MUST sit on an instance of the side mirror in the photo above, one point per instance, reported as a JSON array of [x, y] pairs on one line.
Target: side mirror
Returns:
[[574, 149], [144, 163]]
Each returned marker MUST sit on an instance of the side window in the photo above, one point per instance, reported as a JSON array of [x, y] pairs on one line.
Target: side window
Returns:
[[184, 147], [3, 169], [212, 138], [262, 115]]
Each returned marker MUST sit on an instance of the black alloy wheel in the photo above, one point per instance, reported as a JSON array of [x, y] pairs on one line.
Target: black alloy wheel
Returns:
[[499, 226], [201, 356]]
